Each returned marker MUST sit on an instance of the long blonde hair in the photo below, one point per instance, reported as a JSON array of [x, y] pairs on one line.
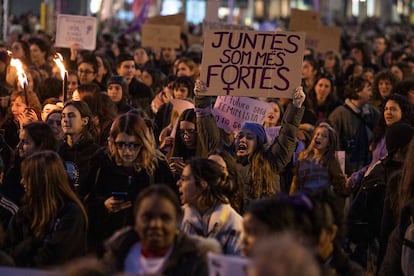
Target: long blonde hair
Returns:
[[48, 190], [136, 123], [263, 175], [330, 151]]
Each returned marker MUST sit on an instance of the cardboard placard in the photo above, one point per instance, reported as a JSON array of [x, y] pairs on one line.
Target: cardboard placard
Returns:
[[76, 29], [160, 36], [231, 112], [327, 38], [212, 8], [301, 20], [207, 25], [252, 63], [175, 19]]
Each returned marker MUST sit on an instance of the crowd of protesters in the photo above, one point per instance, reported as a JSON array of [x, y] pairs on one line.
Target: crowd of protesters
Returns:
[[112, 178]]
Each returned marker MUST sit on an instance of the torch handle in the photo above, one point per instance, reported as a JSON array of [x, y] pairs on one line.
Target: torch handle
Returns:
[[26, 97]]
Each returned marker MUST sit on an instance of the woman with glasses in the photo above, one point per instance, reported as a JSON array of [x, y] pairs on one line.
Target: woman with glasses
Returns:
[[186, 142], [87, 70], [130, 164]]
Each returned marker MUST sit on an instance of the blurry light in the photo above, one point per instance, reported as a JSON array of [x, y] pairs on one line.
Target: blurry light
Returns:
[[170, 7], [95, 5]]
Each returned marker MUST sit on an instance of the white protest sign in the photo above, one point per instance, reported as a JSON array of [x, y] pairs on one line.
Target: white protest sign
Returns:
[[252, 63], [231, 112], [224, 265], [76, 29]]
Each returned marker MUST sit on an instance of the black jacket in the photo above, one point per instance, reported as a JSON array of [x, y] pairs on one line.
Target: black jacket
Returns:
[[65, 240], [77, 162], [185, 260], [340, 264], [106, 177]]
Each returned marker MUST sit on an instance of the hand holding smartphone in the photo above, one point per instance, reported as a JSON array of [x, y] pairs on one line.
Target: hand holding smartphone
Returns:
[[120, 196], [177, 159]]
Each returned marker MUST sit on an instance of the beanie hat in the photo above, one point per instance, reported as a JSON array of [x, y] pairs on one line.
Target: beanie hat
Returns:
[[397, 136], [115, 79], [257, 129]]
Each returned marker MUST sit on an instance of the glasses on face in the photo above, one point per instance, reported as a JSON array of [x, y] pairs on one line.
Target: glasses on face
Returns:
[[124, 145], [187, 132], [86, 72]]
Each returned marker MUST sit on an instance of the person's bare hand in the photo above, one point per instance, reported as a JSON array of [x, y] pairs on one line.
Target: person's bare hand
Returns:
[[74, 50], [298, 97], [26, 117], [177, 167], [200, 88], [114, 205], [167, 142]]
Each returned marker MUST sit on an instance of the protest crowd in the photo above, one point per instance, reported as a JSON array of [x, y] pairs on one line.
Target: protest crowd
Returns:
[[122, 168]]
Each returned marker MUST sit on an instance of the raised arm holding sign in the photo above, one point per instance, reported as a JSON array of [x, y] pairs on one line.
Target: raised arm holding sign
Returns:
[[252, 63]]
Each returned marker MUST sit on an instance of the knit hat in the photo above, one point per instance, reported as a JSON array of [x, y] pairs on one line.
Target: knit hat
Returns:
[[398, 135], [115, 79], [257, 129]]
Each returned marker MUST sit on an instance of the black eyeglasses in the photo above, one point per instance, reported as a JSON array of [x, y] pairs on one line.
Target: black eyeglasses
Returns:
[[125, 145], [187, 132]]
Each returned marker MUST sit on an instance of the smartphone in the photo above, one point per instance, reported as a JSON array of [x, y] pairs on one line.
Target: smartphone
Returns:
[[177, 159], [120, 195]]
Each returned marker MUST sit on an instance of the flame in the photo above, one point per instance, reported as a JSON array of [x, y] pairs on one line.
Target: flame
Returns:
[[58, 60], [21, 75]]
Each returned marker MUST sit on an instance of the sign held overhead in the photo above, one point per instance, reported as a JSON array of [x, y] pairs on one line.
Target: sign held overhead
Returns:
[[252, 63]]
